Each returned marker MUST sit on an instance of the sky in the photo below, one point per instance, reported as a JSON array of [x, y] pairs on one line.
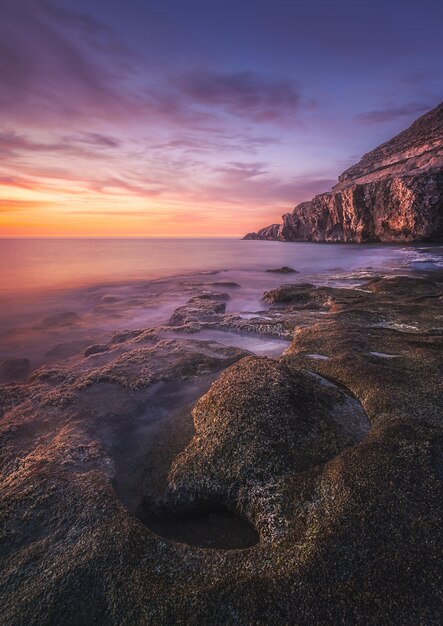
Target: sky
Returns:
[[198, 117]]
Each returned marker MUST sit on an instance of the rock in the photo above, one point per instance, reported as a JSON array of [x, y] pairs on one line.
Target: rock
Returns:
[[97, 348], [307, 296], [66, 318], [16, 369], [269, 232], [67, 348], [211, 295], [227, 284], [283, 270], [122, 336], [394, 193], [260, 421], [405, 286], [269, 325], [109, 299], [140, 367], [206, 307], [298, 292]]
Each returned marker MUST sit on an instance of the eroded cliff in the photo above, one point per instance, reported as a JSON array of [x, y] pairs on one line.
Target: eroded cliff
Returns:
[[394, 193]]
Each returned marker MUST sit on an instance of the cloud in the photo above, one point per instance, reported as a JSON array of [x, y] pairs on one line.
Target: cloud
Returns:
[[59, 65], [13, 206], [13, 144], [16, 182], [57, 62], [246, 94], [256, 186], [378, 116], [96, 139], [120, 186], [80, 21], [198, 143], [235, 172]]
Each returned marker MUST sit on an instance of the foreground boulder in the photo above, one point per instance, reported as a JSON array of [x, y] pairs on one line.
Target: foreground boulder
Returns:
[[394, 193], [260, 421]]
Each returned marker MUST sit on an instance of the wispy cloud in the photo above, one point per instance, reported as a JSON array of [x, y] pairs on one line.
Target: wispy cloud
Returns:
[[13, 206], [390, 114], [57, 62], [246, 94]]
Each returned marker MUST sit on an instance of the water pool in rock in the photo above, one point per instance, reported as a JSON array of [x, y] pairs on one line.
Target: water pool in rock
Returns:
[[216, 528]]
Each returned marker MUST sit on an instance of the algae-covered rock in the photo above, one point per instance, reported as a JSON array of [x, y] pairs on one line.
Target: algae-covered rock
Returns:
[[260, 421]]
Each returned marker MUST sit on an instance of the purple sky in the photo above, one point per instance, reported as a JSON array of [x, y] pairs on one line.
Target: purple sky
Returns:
[[198, 117]]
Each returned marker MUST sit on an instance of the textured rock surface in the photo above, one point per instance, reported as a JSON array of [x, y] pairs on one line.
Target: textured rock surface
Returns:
[[394, 193], [260, 421], [350, 527]]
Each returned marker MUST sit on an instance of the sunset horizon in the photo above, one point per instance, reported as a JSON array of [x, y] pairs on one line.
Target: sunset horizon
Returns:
[[116, 123]]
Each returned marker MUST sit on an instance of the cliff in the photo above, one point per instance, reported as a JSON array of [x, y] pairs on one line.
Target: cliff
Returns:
[[394, 193]]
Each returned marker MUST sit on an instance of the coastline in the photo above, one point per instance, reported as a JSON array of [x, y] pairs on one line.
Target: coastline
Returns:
[[96, 452]]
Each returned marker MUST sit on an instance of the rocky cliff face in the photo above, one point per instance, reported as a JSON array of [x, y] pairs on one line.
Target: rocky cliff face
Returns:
[[394, 193]]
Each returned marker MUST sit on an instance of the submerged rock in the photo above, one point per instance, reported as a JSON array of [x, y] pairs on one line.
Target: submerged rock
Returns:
[[283, 270], [97, 348], [16, 369], [65, 318], [394, 193]]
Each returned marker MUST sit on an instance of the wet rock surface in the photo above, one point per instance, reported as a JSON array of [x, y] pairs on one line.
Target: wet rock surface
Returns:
[[205, 307], [394, 193], [283, 270], [172, 479], [15, 369]]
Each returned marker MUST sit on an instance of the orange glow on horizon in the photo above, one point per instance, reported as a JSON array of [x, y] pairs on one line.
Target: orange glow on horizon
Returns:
[[47, 210], [38, 220]]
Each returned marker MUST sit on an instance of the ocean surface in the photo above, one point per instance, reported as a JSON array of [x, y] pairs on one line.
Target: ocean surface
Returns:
[[57, 296]]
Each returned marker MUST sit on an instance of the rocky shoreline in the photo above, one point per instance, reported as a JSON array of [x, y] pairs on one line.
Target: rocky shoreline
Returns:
[[167, 478]]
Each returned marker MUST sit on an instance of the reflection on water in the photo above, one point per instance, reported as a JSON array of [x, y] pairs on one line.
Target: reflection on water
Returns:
[[31, 265], [60, 296]]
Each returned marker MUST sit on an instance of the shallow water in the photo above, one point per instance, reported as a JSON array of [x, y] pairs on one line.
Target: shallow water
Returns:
[[38, 265], [58, 296]]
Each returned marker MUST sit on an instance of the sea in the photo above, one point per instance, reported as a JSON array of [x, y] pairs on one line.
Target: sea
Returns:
[[58, 296]]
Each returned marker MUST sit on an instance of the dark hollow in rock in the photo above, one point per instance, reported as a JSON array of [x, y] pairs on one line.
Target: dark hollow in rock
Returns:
[[214, 527]]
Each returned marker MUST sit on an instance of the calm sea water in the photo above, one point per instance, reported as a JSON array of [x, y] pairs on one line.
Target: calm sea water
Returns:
[[39, 265], [113, 284]]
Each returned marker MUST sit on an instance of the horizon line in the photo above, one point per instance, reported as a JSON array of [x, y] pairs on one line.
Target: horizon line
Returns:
[[209, 236]]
